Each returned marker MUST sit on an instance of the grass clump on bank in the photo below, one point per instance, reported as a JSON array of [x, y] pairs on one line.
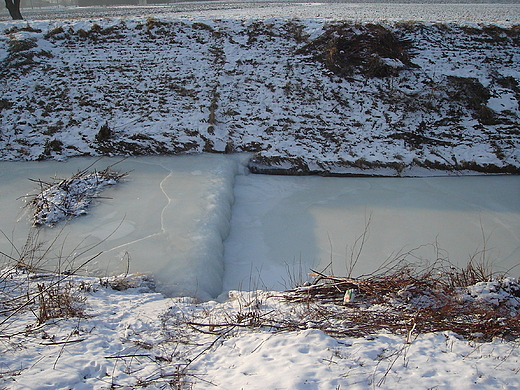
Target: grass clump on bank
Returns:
[[371, 50], [406, 299]]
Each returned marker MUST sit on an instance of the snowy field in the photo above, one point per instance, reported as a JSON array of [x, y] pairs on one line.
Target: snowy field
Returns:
[[227, 229], [436, 11], [135, 339]]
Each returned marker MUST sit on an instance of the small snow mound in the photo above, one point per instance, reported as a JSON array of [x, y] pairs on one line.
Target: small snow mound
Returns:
[[505, 291], [70, 197]]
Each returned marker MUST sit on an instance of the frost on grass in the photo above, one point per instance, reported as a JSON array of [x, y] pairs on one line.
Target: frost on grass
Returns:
[[71, 197]]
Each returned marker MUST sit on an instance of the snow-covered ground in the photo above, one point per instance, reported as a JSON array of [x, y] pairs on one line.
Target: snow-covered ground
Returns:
[[490, 11], [441, 96], [136, 338], [236, 83]]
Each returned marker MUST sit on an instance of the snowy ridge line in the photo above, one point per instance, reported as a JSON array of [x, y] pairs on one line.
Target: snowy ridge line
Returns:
[[410, 96]]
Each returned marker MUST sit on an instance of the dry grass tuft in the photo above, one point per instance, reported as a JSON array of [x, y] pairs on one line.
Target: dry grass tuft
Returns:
[[62, 300], [25, 286], [469, 301], [371, 49]]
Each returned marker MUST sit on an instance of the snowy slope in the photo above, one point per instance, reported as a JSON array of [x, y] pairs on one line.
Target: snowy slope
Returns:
[[137, 339], [147, 86]]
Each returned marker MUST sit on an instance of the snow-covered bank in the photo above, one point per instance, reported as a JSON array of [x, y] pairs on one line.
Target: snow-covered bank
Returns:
[[304, 95], [136, 338]]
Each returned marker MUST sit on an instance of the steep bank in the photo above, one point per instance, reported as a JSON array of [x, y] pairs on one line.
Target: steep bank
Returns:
[[304, 96]]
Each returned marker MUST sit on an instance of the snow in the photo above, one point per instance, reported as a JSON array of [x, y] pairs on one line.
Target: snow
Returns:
[[204, 227], [201, 225], [496, 292], [491, 11], [239, 84], [137, 338], [66, 198]]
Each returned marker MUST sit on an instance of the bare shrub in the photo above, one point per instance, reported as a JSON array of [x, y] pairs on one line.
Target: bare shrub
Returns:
[[62, 300], [430, 298], [25, 285]]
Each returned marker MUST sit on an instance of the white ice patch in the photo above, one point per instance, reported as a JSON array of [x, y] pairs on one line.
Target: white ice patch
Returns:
[[506, 102], [283, 226], [168, 219], [393, 62]]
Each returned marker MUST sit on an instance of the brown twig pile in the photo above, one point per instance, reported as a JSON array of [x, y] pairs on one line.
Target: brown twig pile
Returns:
[[370, 49], [411, 300]]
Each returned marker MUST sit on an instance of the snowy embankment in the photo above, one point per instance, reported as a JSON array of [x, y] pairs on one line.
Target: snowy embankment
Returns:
[[305, 96], [253, 340]]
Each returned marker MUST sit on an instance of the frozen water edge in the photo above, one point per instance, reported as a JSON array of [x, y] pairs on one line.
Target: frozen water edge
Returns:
[[168, 219], [299, 223], [200, 225]]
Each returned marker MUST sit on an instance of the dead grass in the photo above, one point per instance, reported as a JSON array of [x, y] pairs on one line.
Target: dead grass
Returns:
[[62, 300], [45, 295], [406, 297], [346, 48], [28, 286]]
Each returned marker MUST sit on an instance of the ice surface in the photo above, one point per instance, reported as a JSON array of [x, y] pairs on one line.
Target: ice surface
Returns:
[[169, 219], [283, 226], [201, 225]]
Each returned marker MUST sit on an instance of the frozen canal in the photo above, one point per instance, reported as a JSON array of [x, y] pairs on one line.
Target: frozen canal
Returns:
[[202, 225]]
